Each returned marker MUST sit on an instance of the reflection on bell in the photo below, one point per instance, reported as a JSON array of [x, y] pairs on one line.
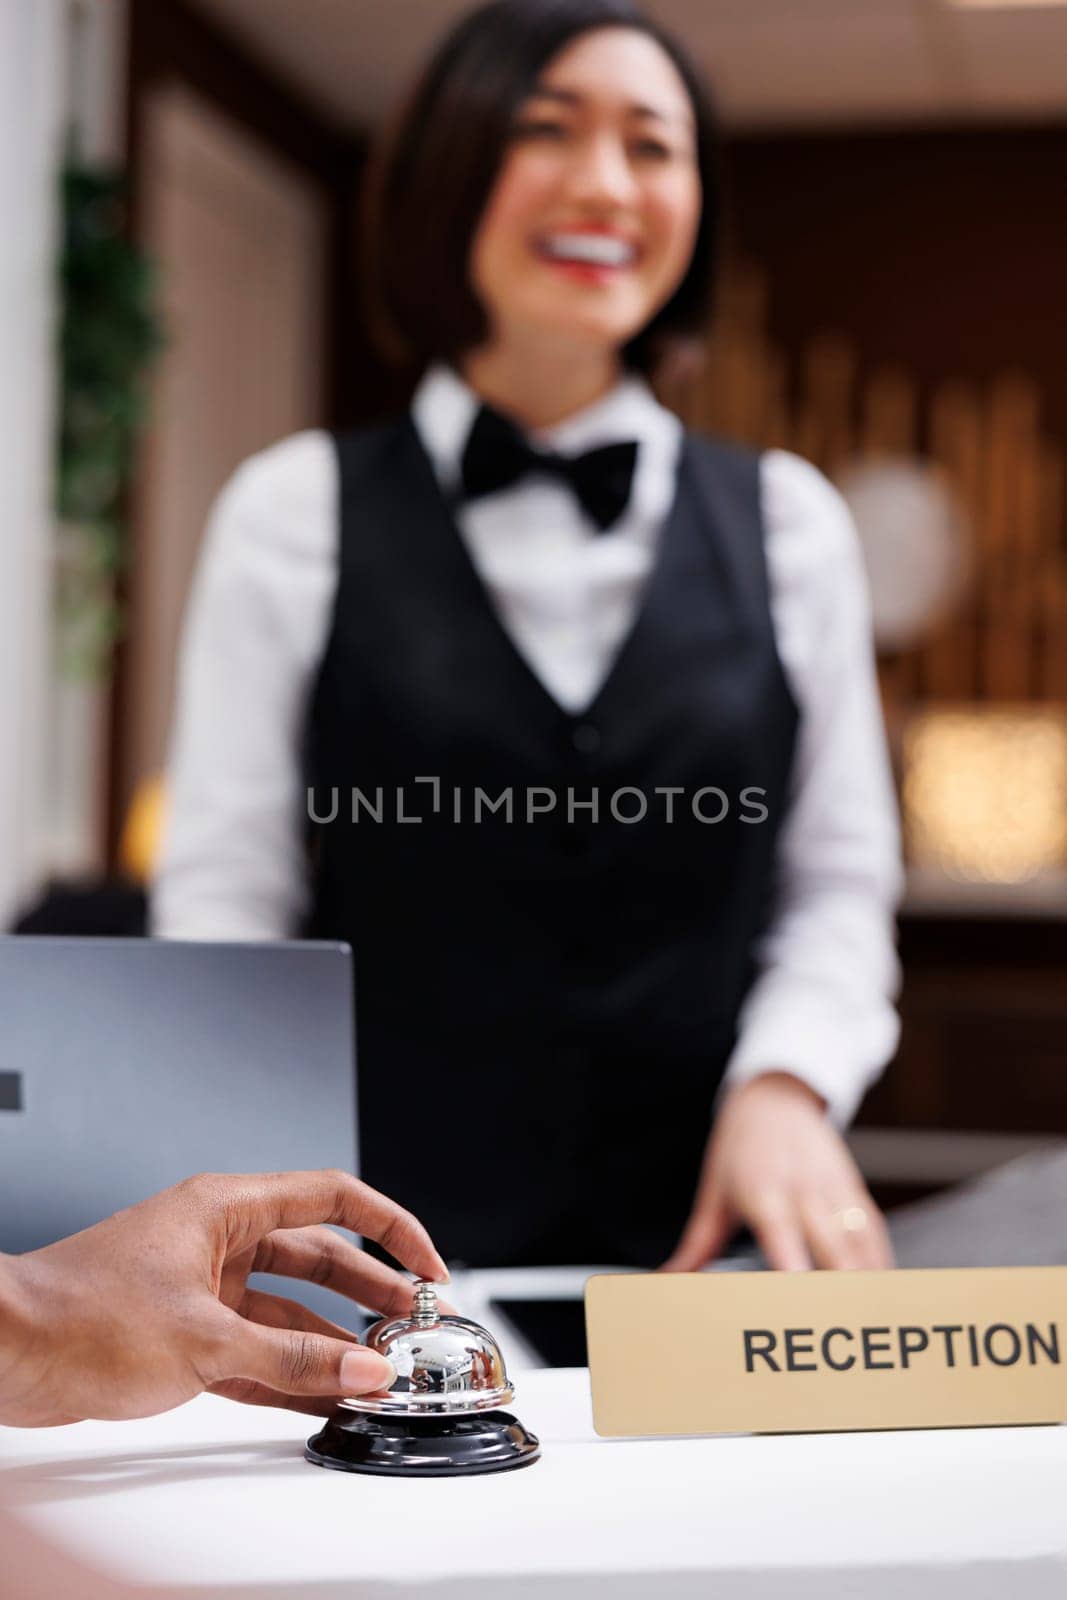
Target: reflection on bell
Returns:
[[442, 1416]]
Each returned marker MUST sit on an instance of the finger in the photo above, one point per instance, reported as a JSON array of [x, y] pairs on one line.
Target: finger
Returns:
[[779, 1234], [255, 1204], [828, 1242], [704, 1236], [295, 1362], [843, 1249], [319, 1256], [275, 1311], [876, 1247], [250, 1393]]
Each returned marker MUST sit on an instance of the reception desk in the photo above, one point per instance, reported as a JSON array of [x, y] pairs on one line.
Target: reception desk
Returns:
[[217, 1497]]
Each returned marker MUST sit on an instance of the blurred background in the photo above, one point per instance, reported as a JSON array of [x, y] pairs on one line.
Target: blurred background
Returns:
[[179, 188]]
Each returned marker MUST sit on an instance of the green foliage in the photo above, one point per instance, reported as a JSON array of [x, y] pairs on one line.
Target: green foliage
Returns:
[[110, 332]]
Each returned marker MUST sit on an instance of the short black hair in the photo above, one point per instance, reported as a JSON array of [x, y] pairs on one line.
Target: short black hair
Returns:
[[431, 177]]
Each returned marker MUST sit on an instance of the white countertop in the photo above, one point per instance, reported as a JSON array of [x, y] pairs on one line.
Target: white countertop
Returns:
[[218, 1495]]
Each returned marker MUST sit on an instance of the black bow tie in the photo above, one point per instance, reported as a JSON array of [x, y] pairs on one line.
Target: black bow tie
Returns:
[[497, 454]]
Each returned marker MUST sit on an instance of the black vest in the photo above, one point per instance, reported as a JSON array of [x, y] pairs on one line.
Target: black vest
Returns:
[[544, 1003]]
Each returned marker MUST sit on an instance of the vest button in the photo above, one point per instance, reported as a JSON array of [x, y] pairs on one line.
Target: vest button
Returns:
[[585, 738]]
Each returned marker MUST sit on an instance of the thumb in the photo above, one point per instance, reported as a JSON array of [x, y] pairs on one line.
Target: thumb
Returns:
[[308, 1363], [703, 1237]]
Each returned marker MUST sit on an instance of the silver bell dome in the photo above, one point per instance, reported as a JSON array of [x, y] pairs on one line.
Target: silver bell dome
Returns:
[[445, 1365]]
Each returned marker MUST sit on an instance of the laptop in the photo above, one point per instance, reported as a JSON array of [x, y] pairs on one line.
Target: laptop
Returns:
[[129, 1064]]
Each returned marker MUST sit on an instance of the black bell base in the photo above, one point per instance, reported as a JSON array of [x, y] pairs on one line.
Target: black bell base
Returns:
[[423, 1447]]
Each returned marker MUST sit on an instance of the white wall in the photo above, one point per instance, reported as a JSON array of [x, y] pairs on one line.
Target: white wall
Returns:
[[94, 54], [60, 61], [32, 73], [240, 239]]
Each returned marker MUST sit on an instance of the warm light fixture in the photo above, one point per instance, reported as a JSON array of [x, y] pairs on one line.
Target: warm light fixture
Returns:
[[915, 538], [985, 791]]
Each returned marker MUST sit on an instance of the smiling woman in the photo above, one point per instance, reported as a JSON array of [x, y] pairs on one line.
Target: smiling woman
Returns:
[[536, 587], [600, 186], [574, 137]]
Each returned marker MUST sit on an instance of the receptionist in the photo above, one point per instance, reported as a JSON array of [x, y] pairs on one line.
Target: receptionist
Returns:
[[563, 716]]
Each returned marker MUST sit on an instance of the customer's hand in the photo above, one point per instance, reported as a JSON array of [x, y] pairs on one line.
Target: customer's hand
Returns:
[[775, 1163], [147, 1309]]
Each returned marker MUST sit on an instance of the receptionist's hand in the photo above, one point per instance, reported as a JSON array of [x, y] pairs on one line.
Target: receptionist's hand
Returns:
[[151, 1307], [776, 1163]]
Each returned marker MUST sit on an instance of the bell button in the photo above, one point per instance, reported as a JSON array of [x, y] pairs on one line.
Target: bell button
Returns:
[[585, 738], [442, 1417]]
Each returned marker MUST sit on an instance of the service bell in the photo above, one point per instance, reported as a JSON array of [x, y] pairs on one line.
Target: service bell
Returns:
[[443, 1414]]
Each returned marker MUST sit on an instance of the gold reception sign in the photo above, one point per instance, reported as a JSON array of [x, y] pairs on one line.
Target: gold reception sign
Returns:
[[777, 1352]]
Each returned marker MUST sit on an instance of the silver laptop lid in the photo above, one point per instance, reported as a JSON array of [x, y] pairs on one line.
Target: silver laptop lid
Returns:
[[127, 1064]]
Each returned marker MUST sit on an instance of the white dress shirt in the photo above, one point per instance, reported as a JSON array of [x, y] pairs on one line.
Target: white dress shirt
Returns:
[[233, 864]]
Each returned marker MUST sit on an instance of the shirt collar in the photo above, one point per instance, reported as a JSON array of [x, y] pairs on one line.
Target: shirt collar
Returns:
[[444, 408]]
